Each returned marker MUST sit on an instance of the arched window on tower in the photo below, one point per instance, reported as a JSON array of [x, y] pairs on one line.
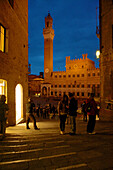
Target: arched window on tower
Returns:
[[47, 24]]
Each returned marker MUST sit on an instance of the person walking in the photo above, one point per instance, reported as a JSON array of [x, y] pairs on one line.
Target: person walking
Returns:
[[73, 106], [29, 114], [91, 109], [62, 111], [37, 111], [3, 113]]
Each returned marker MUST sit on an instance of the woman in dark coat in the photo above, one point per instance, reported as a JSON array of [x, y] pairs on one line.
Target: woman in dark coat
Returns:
[[62, 111], [91, 109]]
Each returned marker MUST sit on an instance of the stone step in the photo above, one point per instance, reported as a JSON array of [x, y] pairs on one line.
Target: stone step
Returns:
[[43, 162], [44, 149], [23, 141], [28, 136], [33, 153], [9, 148], [32, 137]]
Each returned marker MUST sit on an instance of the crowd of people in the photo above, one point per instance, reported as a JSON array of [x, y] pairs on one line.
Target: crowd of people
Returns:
[[67, 108], [44, 112], [47, 111]]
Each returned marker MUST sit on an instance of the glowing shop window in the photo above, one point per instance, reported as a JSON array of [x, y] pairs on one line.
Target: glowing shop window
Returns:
[[2, 38], [3, 88]]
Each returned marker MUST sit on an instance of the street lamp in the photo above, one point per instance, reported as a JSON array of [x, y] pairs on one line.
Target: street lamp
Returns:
[[98, 54]]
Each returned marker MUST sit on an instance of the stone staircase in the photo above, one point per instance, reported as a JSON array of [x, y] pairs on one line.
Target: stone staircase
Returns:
[[38, 153], [37, 149]]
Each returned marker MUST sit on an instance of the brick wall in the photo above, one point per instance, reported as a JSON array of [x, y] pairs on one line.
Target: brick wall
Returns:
[[14, 63]]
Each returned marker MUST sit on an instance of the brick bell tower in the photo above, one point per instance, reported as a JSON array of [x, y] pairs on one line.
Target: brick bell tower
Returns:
[[48, 34]]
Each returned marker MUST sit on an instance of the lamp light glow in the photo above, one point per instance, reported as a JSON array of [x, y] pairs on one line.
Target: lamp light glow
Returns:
[[98, 54], [19, 102]]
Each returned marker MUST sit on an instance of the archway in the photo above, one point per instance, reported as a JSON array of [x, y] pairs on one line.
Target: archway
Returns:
[[19, 102], [44, 91]]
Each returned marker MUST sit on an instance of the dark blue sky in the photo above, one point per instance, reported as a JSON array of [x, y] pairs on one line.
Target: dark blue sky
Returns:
[[74, 24]]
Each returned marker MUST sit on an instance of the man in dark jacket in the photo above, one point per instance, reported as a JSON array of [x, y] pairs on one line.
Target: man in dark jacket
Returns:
[[29, 114], [73, 106]]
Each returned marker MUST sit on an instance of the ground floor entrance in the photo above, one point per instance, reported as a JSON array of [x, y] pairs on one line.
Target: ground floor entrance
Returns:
[[19, 102]]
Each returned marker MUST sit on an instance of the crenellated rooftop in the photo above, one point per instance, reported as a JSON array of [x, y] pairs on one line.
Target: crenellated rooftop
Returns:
[[84, 57]]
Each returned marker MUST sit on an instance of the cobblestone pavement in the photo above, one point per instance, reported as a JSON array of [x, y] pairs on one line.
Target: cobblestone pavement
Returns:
[[46, 149]]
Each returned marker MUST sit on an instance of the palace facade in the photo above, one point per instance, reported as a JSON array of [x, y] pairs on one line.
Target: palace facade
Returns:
[[81, 76]]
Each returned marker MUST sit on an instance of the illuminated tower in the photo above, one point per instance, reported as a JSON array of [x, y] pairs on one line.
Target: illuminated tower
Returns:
[[48, 34]]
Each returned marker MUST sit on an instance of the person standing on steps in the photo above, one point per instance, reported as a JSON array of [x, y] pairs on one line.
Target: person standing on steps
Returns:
[[62, 111], [73, 106], [91, 108], [29, 114], [3, 114]]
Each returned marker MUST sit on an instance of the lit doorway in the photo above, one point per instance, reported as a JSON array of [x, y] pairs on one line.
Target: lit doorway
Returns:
[[3, 88], [19, 103]]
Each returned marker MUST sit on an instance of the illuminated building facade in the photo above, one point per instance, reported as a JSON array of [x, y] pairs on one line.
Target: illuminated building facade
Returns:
[[34, 84], [81, 76], [106, 58], [14, 57]]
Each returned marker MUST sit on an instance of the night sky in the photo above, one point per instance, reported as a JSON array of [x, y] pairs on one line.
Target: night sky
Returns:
[[74, 24]]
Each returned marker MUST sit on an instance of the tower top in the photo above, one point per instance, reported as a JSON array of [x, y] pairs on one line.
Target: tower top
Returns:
[[49, 16], [48, 13], [48, 21]]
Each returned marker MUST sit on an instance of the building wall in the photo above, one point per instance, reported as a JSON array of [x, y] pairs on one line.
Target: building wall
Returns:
[[106, 58], [14, 62], [80, 77]]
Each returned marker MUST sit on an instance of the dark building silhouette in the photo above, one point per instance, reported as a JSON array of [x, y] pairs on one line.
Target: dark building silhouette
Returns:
[[106, 58]]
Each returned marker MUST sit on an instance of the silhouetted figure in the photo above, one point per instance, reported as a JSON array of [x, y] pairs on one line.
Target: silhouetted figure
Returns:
[[62, 111], [3, 111], [91, 109], [44, 113], [37, 111], [53, 110], [41, 111], [29, 114], [84, 111], [73, 106], [98, 109]]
